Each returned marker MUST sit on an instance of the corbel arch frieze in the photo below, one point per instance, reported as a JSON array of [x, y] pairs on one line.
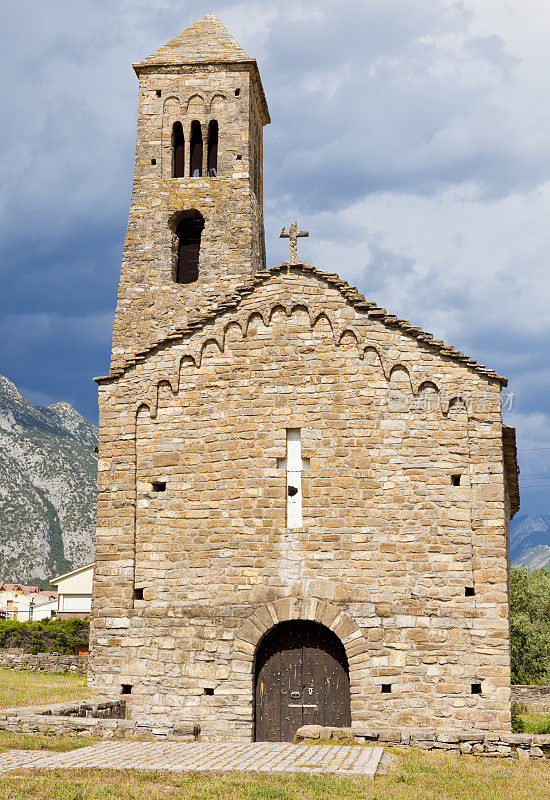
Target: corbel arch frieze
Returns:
[[398, 375]]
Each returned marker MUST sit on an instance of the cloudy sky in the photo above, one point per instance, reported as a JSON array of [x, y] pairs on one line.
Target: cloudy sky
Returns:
[[411, 138]]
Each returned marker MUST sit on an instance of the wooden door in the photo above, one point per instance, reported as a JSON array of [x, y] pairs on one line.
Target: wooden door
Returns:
[[302, 678]]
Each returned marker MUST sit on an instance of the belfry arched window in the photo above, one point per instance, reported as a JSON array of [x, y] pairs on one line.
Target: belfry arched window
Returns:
[[178, 145], [188, 233], [195, 160], [212, 161]]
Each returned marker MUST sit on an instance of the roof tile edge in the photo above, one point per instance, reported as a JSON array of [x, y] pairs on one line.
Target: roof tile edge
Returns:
[[350, 293]]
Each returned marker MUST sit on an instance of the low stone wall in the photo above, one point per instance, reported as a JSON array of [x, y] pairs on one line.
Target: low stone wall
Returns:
[[97, 709], [16, 658], [104, 719], [533, 696], [501, 744]]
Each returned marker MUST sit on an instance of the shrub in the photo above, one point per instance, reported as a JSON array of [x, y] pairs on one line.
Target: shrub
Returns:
[[45, 635], [518, 725], [530, 626]]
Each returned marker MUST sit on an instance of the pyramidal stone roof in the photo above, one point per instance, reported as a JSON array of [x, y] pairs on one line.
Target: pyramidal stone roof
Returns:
[[206, 41], [233, 300]]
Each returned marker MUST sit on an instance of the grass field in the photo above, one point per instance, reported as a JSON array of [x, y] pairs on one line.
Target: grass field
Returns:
[[414, 775], [35, 741], [27, 688], [533, 721]]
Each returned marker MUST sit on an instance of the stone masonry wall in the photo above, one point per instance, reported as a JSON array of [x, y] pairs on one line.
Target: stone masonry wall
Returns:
[[388, 544], [16, 658], [498, 744], [100, 718], [537, 697], [150, 304]]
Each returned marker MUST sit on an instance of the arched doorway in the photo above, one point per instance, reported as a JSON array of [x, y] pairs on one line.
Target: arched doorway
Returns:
[[301, 678]]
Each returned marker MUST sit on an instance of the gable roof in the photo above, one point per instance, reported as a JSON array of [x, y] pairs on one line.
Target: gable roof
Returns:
[[232, 301], [18, 587], [83, 568], [26, 590]]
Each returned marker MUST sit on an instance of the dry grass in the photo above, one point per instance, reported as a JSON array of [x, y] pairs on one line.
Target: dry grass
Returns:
[[28, 688], [414, 775]]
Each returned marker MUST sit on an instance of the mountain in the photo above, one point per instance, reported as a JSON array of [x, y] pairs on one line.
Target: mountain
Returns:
[[530, 541], [48, 474]]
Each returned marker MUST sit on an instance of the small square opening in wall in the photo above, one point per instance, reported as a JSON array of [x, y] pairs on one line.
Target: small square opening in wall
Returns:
[[239, 157], [153, 161], [476, 688], [386, 688], [455, 480], [138, 594], [237, 92], [158, 486], [126, 688], [469, 591], [159, 93], [208, 690]]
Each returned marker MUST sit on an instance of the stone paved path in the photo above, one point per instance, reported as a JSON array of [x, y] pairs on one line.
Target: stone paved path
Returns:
[[203, 757]]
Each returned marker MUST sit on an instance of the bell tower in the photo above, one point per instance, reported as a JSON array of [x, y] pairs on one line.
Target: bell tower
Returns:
[[195, 228]]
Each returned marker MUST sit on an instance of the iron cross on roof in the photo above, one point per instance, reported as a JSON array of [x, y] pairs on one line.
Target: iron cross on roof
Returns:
[[293, 234]]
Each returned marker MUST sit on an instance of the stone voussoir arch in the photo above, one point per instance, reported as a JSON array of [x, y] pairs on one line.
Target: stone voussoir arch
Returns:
[[266, 617]]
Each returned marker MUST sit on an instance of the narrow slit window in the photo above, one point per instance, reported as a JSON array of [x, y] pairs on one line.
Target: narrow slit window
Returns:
[[178, 144], [212, 160], [294, 464], [188, 232], [195, 157]]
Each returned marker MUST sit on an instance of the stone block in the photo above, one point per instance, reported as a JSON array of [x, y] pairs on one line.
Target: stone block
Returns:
[[308, 732]]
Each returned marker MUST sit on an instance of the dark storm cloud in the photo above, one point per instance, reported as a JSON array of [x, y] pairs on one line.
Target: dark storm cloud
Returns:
[[388, 107]]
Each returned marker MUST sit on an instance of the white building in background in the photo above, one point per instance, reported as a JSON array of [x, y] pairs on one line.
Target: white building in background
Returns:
[[43, 608], [24, 603], [75, 592]]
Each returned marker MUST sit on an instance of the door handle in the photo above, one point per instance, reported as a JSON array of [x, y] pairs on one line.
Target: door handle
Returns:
[[295, 695]]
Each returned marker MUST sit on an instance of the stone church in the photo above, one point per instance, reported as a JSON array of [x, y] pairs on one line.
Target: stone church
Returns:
[[304, 501]]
